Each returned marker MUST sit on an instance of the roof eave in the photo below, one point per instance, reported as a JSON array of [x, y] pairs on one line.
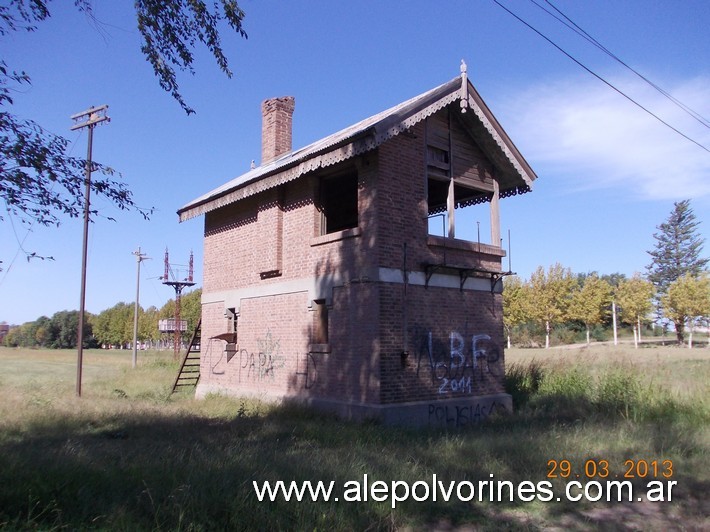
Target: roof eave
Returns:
[[367, 135], [497, 134], [360, 141]]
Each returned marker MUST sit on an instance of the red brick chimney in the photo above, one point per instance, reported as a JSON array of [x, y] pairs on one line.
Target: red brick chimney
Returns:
[[276, 120]]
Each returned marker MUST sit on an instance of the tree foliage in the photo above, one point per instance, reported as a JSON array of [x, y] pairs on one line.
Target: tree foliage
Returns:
[[554, 303], [170, 30], [687, 301], [40, 181], [57, 332], [550, 296], [590, 304], [111, 327], [678, 248], [635, 299], [114, 326], [515, 304]]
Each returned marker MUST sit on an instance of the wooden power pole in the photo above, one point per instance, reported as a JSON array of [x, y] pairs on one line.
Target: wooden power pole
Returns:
[[89, 118]]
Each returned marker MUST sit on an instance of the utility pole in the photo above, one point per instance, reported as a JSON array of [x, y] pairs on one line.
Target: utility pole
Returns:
[[140, 257], [89, 118], [170, 280]]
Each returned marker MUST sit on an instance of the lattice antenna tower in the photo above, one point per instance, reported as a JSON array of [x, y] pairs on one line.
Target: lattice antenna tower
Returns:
[[172, 277]]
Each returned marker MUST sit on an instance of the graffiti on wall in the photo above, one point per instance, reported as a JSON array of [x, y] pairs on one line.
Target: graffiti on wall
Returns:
[[307, 368], [454, 364], [264, 364], [458, 416]]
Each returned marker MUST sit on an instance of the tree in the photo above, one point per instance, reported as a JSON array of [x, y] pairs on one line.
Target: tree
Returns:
[[65, 326], [635, 297], [590, 304], [40, 181], [148, 324], [190, 310], [170, 29], [114, 326], [677, 253], [515, 304], [550, 295], [678, 248], [687, 301], [59, 332]]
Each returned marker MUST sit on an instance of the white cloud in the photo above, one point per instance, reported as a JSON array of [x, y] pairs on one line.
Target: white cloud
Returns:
[[583, 131]]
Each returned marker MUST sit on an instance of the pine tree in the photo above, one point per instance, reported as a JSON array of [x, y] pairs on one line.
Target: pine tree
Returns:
[[678, 248], [677, 253]]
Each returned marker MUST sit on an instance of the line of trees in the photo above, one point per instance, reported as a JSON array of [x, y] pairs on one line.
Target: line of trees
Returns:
[[111, 327], [677, 286], [557, 298]]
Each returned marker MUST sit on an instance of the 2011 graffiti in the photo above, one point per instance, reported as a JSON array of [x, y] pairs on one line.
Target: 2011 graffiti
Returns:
[[453, 366]]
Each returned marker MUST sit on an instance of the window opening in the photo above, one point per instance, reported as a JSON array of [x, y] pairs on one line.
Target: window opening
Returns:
[[320, 322], [459, 182], [338, 203], [231, 347]]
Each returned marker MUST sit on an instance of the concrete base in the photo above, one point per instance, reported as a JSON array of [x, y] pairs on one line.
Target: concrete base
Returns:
[[450, 413], [453, 413]]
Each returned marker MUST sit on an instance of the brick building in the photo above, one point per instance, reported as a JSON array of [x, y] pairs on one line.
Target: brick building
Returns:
[[324, 284]]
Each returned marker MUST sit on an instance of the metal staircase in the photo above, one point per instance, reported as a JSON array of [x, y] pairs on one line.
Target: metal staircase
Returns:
[[189, 374]]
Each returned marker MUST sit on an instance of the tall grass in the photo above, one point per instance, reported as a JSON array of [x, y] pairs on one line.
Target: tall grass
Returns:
[[130, 456], [617, 393]]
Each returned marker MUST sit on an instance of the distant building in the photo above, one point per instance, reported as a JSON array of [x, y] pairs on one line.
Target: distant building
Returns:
[[322, 282], [4, 329]]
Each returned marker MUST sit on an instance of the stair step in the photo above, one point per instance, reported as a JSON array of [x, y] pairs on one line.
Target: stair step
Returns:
[[189, 370]]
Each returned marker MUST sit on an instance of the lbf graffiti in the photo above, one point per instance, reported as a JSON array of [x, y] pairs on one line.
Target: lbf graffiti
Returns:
[[455, 364]]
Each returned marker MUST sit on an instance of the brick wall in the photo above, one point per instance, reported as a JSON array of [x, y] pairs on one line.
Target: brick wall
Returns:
[[279, 230], [454, 343], [454, 338]]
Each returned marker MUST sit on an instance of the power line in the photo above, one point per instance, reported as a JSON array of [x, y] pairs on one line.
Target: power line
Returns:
[[569, 23], [600, 78]]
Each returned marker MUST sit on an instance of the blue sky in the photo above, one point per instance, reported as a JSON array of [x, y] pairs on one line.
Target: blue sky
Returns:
[[608, 173]]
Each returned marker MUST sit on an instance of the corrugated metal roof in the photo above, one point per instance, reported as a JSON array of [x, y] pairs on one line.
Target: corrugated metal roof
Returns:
[[357, 139]]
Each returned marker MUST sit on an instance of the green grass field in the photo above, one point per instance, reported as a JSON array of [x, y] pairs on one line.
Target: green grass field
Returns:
[[128, 456]]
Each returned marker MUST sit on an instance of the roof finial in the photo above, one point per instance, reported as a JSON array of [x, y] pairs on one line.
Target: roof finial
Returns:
[[464, 86]]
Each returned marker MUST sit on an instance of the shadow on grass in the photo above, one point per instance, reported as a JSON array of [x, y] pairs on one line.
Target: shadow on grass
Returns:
[[147, 470]]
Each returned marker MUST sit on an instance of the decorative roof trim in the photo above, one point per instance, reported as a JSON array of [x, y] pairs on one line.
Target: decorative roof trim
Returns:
[[416, 118], [464, 86], [359, 139], [369, 139], [494, 128]]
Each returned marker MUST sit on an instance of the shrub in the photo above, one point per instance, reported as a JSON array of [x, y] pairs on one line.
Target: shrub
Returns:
[[522, 381]]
